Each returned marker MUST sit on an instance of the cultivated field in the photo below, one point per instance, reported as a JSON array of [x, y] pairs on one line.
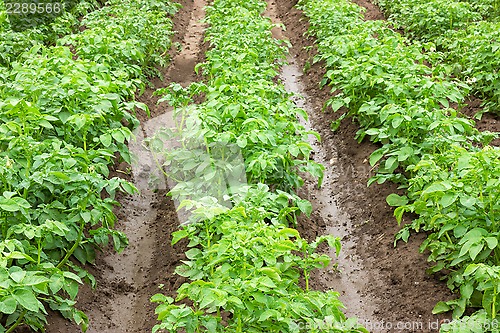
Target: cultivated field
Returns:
[[249, 166]]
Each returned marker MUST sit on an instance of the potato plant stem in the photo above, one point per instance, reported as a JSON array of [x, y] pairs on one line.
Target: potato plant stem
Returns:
[[493, 307], [73, 248], [18, 322]]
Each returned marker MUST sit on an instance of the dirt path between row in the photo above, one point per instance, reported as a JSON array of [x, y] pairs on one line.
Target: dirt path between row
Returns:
[[126, 281], [386, 288]]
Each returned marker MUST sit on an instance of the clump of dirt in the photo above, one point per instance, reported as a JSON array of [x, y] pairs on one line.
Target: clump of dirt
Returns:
[[395, 280]]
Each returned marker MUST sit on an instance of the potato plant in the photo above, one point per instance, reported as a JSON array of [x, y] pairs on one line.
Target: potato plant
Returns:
[[248, 269], [46, 33], [428, 20], [450, 174], [131, 35], [64, 117], [466, 34], [473, 55]]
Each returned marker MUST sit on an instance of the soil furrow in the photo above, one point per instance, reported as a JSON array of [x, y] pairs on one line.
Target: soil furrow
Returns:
[[386, 288], [349, 277]]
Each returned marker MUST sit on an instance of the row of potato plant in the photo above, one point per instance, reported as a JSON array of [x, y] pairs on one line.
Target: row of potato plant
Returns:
[[451, 175], [473, 54], [64, 117], [42, 28], [248, 269], [466, 35], [431, 19]]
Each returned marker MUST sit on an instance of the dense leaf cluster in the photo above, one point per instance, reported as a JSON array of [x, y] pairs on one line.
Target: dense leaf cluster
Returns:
[[64, 117], [466, 34], [16, 39], [451, 175], [245, 263]]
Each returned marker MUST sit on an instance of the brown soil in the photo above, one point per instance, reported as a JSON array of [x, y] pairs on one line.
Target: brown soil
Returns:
[[183, 60], [385, 287], [126, 281], [488, 122]]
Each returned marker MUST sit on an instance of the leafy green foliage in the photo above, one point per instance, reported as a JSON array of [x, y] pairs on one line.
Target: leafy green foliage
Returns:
[[432, 19], [473, 54], [450, 173], [46, 32], [245, 263], [63, 121], [465, 32], [248, 268], [126, 33]]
